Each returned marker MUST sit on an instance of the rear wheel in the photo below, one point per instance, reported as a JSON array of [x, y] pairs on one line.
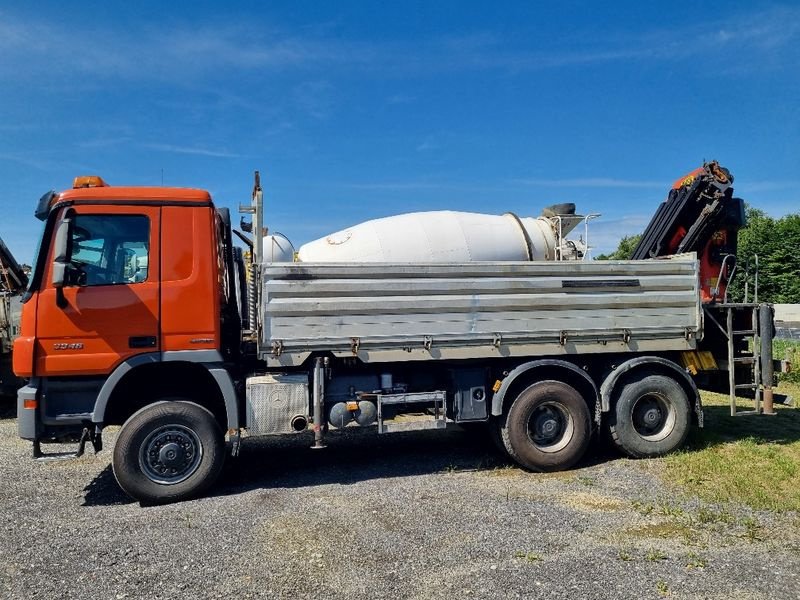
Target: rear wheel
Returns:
[[650, 416], [168, 451], [547, 428]]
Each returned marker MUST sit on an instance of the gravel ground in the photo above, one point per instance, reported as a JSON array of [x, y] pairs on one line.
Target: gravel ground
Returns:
[[429, 515]]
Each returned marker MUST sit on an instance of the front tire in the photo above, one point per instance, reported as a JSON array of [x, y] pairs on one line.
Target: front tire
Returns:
[[547, 428], [650, 417], [168, 451]]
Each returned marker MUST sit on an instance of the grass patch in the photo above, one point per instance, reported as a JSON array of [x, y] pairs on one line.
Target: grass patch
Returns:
[[592, 502], [695, 561], [751, 529], [706, 516], [788, 349], [750, 459], [695, 528], [625, 554], [528, 556], [664, 530], [655, 555], [508, 470], [665, 509]]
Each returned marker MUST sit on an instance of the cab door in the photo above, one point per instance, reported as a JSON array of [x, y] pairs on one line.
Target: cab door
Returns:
[[108, 307]]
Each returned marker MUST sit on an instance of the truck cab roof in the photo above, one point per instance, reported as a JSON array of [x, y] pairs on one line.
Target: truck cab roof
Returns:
[[128, 193], [96, 190]]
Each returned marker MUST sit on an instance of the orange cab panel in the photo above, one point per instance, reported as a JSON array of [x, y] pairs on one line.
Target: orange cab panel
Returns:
[[109, 310], [24, 345], [190, 306]]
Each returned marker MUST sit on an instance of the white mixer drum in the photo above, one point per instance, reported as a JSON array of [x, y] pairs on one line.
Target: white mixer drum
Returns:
[[438, 236]]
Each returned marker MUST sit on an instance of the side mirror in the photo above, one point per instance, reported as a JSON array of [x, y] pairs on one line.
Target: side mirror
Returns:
[[61, 251], [61, 257]]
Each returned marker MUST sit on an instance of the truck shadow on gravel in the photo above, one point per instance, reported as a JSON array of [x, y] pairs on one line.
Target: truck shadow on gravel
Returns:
[[357, 455], [104, 491], [8, 408], [350, 457]]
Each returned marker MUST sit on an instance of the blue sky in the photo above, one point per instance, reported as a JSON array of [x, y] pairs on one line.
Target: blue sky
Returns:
[[356, 110]]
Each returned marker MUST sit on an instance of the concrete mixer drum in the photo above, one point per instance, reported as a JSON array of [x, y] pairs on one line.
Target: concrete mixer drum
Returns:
[[451, 236]]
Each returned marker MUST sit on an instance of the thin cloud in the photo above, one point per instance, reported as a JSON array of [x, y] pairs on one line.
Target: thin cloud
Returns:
[[591, 182], [103, 142], [765, 186], [587, 182], [401, 99], [155, 53], [317, 98], [23, 159], [625, 221], [773, 40], [428, 144], [757, 38], [605, 234], [191, 150], [404, 185]]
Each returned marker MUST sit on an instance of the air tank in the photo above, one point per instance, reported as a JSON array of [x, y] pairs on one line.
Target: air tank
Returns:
[[277, 248], [449, 236]]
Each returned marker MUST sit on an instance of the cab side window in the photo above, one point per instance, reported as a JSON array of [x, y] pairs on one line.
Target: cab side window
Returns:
[[110, 249]]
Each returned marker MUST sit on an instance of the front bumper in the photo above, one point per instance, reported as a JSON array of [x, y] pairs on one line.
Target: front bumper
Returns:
[[28, 424]]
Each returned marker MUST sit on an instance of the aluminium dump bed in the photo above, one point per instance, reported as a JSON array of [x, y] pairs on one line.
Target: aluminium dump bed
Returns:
[[398, 312]]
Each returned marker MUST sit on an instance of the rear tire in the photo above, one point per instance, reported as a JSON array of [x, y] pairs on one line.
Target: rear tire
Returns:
[[168, 451], [650, 416], [547, 428]]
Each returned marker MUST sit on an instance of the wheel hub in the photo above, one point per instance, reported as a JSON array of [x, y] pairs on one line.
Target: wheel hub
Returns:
[[651, 416], [170, 454], [547, 426]]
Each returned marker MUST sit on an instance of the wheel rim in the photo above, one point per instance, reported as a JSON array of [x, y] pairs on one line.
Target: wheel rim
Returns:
[[550, 427], [170, 454], [653, 417]]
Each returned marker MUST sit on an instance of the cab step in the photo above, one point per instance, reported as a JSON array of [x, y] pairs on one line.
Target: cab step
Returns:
[[86, 436]]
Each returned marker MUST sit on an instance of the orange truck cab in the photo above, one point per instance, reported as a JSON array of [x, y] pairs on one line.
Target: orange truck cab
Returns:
[[128, 300]]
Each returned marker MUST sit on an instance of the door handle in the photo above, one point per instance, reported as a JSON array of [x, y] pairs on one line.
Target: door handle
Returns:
[[142, 341]]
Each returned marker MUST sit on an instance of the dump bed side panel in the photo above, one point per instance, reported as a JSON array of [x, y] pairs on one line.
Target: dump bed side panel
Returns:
[[392, 312]]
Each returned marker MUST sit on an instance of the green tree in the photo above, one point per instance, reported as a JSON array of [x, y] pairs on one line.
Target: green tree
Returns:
[[625, 249], [776, 242]]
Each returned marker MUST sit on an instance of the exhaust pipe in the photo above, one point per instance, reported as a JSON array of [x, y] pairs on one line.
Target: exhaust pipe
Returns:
[[299, 423]]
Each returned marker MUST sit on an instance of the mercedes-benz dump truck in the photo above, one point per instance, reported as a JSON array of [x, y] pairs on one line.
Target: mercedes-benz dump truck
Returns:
[[142, 313]]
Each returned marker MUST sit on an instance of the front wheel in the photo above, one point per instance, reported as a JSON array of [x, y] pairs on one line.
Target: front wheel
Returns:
[[547, 428], [650, 416], [168, 451]]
